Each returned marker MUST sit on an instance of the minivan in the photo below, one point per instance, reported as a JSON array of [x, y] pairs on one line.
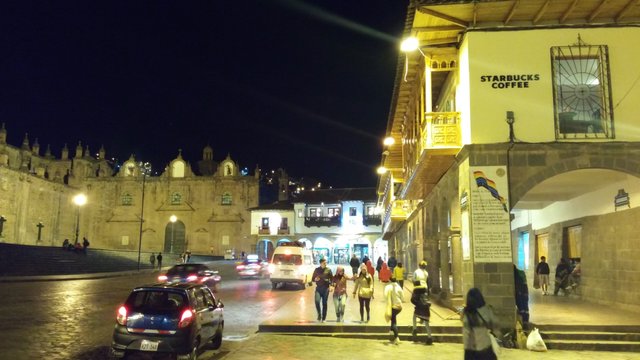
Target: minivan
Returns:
[[291, 263]]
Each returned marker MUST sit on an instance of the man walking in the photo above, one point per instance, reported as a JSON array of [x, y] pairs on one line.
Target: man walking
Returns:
[[542, 271], [152, 260], [322, 277], [159, 258], [355, 265]]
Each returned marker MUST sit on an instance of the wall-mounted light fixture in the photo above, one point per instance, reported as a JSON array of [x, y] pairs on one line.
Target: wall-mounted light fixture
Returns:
[[510, 120]]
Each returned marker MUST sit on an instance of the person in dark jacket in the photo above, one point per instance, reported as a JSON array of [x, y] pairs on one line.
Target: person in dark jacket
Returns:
[[421, 312], [355, 265], [322, 276], [562, 276], [159, 258], [542, 272], [379, 264], [392, 263], [477, 318], [522, 293]]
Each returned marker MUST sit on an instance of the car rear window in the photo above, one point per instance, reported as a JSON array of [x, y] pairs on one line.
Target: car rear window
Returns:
[[284, 259], [185, 269], [156, 301]]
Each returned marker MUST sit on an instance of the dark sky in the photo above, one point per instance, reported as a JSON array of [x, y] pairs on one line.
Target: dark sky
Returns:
[[301, 85]]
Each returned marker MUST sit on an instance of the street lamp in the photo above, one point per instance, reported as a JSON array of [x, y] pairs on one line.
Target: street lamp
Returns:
[[173, 219], [79, 200], [145, 169]]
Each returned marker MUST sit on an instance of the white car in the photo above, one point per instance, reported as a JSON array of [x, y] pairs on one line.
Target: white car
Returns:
[[229, 255]]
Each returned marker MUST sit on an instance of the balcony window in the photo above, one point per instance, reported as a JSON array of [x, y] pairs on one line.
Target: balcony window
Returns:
[[333, 212], [226, 199], [353, 211], [315, 212], [176, 198]]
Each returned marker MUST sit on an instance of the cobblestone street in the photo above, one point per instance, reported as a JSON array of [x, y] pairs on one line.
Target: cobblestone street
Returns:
[[286, 347]]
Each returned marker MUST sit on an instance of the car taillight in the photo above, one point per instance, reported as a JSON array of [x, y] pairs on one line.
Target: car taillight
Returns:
[[239, 267], [192, 278], [185, 319], [162, 278], [121, 317], [272, 268]]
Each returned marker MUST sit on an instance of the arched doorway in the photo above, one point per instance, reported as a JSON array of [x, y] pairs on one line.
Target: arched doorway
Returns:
[[307, 243], [380, 249], [264, 249], [174, 237], [322, 249]]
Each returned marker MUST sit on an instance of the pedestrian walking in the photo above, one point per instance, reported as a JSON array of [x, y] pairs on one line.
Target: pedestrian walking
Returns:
[[159, 258], [85, 245], [339, 284], [379, 264], [421, 277], [421, 313], [384, 274], [477, 322], [355, 265], [392, 262], [65, 244], [395, 296], [152, 260], [364, 289], [370, 269], [398, 273], [543, 271], [322, 276]]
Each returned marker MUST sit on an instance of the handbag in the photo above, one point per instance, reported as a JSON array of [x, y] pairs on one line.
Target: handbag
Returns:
[[495, 347], [365, 293]]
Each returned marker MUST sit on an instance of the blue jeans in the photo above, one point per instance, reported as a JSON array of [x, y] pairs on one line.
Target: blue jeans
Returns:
[[339, 303], [322, 294]]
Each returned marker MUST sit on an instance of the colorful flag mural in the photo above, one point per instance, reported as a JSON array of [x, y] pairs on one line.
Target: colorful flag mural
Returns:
[[483, 181]]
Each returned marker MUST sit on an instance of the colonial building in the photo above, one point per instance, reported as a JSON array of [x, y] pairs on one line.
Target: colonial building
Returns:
[[334, 223], [204, 212], [516, 136]]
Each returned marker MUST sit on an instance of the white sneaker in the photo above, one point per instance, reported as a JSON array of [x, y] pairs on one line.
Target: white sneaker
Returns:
[[396, 341]]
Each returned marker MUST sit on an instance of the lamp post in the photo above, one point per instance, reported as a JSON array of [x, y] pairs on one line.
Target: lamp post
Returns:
[[79, 200], [39, 226], [173, 220], [145, 168]]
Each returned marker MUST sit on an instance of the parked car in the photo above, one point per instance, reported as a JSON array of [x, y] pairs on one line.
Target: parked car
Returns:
[[252, 266], [192, 273], [168, 319]]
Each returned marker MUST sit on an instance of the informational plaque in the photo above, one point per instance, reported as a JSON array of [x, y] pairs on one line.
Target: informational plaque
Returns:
[[490, 220]]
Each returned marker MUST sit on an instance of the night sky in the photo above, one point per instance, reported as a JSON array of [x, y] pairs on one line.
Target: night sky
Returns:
[[305, 86]]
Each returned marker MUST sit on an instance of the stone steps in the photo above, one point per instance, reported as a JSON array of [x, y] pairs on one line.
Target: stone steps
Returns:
[[592, 337]]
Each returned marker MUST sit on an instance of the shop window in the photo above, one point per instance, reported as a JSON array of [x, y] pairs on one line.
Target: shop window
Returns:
[[353, 211], [333, 212]]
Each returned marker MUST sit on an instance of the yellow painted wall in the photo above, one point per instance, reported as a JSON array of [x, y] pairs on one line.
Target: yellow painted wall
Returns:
[[528, 52]]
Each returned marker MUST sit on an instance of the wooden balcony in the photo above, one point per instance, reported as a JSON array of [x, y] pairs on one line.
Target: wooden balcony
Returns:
[[372, 220], [441, 140], [283, 230], [310, 221]]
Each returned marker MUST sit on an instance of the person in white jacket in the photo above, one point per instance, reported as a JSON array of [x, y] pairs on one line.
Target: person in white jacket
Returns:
[[395, 296]]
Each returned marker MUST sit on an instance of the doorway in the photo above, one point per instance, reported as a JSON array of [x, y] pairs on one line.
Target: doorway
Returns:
[[174, 237]]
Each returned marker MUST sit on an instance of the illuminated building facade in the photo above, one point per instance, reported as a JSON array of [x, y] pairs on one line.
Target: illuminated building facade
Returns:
[[517, 136]]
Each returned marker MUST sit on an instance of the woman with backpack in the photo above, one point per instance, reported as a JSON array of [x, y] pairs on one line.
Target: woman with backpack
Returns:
[[477, 322]]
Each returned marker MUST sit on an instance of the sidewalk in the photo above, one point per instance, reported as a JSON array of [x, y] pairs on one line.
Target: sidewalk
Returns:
[[301, 310]]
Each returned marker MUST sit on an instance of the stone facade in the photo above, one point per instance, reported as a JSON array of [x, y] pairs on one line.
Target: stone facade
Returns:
[[210, 210]]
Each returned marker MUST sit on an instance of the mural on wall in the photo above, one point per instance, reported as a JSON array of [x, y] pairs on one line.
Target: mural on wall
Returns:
[[490, 221]]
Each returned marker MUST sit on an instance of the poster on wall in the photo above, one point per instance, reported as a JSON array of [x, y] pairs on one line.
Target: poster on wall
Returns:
[[490, 220]]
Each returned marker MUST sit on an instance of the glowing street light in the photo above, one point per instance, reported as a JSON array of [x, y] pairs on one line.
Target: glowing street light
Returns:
[[409, 44], [388, 141], [79, 200], [381, 170]]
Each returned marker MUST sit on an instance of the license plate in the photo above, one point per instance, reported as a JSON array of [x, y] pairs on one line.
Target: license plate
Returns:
[[287, 272], [149, 345]]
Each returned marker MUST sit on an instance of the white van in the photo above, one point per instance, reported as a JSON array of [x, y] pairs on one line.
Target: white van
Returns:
[[291, 263]]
